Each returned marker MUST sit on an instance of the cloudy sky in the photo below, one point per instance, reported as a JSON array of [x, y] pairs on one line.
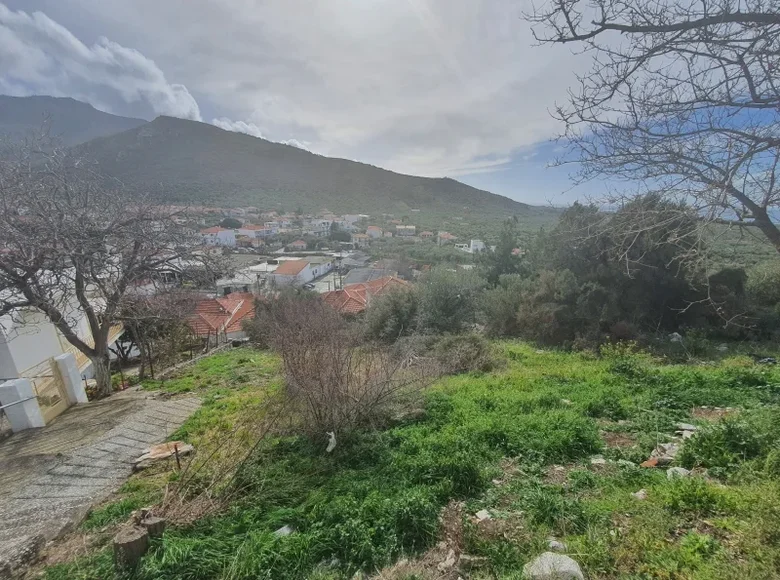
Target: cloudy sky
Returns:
[[426, 87]]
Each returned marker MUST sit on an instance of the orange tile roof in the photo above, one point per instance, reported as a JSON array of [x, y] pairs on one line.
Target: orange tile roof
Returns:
[[291, 267], [353, 298], [212, 230], [222, 315]]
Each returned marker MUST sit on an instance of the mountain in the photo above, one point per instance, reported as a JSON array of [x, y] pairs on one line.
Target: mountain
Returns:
[[187, 161], [72, 121]]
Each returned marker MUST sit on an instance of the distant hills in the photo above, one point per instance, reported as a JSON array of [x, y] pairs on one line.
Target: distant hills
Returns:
[[73, 122], [182, 161]]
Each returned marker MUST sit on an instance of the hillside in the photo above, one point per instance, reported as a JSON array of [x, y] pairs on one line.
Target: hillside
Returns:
[[71, 121], [192, 162]]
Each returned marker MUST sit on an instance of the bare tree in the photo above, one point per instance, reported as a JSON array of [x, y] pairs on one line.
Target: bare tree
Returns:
[[74, 249], [683, 98]]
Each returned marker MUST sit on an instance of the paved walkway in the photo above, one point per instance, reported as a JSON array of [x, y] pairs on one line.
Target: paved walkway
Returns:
[[51, 477]]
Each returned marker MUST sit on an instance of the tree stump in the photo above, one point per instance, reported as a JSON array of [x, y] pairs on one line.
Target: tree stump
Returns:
[[130, 544], [154, 526]]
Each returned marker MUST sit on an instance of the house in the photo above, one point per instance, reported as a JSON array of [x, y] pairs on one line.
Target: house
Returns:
[[361, 240], [218, 320], [361, 275], [297, 246], [218, 236], [321, 265], [477, 246], [250, 230], [355, 298], [405, 230], [374, 232], [292, 273], [426, 235], [387, 234], [446, 238], [29, 342]]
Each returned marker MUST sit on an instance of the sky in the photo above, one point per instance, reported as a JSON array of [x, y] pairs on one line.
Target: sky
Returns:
[[425, 87]]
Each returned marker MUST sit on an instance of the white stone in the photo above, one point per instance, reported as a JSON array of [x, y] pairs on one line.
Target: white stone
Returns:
[[449, 562], [640, 495], [677, 472], [331, 441], [598, 460], [675, 337], [552, 566], [556, 545], [626, 463], [688, 434], [482, 515], [686, 427], [284, 531]]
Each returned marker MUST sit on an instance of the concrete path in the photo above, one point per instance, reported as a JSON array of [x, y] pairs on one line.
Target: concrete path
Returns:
[[51, 477]]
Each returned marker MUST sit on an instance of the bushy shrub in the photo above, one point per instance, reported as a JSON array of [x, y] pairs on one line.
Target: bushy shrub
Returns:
[[693, 496], [500, 305], [392, 315], [448, 300], [721, 447], [464, 353]]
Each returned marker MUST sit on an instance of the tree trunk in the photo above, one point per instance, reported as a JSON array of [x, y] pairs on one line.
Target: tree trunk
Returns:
[[101, 364]]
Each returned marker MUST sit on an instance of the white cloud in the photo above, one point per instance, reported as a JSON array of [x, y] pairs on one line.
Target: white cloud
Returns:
[[238, 127], [428, 87], [38, 55]]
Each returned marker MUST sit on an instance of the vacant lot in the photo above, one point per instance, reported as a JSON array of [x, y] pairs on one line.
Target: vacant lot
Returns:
[[549, 445]]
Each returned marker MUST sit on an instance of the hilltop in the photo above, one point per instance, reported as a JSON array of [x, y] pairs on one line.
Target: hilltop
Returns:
[[72, 121], [187, 161]]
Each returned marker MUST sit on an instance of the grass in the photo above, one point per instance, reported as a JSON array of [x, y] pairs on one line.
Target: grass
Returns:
[[491, 440]]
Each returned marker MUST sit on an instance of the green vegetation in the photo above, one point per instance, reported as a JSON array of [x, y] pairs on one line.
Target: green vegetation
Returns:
[[517, 442]]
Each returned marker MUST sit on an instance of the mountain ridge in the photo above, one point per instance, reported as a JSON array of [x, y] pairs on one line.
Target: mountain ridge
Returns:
[[71, 121], [191, 161]]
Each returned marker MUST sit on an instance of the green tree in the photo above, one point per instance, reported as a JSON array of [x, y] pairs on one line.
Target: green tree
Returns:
[[230, 223], [449, 300], [503, 260]]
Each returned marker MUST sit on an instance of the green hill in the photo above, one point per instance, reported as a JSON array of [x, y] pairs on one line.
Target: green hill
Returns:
[[186, 161], [71, 121]]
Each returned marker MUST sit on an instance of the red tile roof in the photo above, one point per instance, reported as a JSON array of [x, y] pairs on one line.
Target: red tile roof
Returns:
[[353, 298], [222, 315], [213, 230], [291, 267]]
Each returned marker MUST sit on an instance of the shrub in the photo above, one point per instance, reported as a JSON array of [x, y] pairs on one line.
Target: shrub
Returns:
[[549, 507], [691, 495], [463, 353], [772, 463], [448, 300], [499, 306], [392, 315], [336, 383], [722, 446]]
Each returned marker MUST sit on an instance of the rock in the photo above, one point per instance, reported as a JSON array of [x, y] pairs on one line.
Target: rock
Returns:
[[598, 460], [640, 495], [331, 441], [482, 515], [665, 453], [767, 361], [722, 347], [677, 473], [556, 545], [284, 531], [675, 337], [552, 566], [565, 402], [449, 562], [130, 544], [467, 563], [688, 434], [153, 525], [625, 463], [162, 451], [686, 427]]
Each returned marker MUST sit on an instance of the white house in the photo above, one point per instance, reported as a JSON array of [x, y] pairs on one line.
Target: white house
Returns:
[[320, 265], [292, 273], [477, 246], [374, 231], [218, 236]]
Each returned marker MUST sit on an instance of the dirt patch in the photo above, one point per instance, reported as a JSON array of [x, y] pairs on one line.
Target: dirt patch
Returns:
[[713, 414], [557, 474], [441, 561], [616, 439]]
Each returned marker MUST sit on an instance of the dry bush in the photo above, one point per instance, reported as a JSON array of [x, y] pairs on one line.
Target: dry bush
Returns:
[[336, 382]]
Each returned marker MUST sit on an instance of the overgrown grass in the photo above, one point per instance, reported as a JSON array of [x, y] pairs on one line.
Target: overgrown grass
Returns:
[[377, 497]]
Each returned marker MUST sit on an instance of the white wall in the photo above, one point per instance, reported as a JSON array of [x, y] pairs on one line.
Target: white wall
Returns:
[[33, 342]]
